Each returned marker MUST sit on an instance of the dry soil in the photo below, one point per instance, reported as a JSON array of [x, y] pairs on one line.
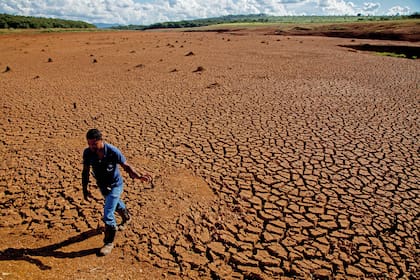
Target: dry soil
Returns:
[[273, 156]]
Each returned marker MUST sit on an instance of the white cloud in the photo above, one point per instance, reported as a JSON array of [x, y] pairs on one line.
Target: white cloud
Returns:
[[122, 11], [337, 7], [152, 11], [291, 1], [398, 10], [187, 9], [129, 11], [371, 7]]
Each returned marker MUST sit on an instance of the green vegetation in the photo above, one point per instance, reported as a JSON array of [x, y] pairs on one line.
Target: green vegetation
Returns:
[[23, 22], [398, 55], [262, 19]]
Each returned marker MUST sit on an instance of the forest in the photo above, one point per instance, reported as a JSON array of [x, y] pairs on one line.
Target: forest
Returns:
[[26, 22]]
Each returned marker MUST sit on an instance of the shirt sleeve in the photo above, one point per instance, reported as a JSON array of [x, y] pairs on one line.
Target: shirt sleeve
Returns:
[[121, 157]]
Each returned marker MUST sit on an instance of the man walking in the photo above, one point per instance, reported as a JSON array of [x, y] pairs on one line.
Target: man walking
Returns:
[[104, 159]]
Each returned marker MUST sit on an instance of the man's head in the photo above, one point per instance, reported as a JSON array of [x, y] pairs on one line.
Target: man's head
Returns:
[[94, 139]]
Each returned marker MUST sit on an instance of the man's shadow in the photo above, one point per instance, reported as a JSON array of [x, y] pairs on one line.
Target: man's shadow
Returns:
[[25, 254]]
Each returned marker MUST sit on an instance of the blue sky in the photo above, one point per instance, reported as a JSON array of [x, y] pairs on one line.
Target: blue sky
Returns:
[[152, 11]]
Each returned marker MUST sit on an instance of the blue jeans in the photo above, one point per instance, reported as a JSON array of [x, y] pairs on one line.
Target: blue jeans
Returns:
[[112, 204]]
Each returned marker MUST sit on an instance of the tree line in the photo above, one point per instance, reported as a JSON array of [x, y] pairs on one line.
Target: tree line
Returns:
[[200, 22], [16, 21], [27, 22], [261, 18]]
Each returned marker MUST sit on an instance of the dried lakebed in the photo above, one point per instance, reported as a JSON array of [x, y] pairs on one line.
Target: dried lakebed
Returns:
[[282, 157]]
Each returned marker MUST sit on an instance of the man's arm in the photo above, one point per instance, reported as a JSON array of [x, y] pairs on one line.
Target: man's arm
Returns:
[[85, 181], [134, 174]]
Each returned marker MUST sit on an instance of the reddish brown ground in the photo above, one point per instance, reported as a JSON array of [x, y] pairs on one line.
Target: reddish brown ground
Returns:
[[281, 157]]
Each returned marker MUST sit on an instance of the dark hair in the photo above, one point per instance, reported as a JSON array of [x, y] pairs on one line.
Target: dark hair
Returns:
[[94, 134]]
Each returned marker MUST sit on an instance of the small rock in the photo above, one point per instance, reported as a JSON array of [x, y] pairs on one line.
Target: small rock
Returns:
[[199, 69]]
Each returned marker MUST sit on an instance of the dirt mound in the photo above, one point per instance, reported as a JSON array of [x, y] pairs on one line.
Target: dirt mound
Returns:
[[393, 30]]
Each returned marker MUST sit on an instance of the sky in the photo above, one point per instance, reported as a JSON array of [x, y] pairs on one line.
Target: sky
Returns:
[[145, 12]]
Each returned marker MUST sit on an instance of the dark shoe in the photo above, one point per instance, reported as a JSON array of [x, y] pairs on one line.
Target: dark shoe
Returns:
[[125, 218]]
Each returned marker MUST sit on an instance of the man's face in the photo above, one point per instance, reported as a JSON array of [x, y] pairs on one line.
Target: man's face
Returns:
[[95, 145]]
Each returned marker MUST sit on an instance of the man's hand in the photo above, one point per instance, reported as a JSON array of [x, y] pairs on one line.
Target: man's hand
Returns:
[[146, 178]]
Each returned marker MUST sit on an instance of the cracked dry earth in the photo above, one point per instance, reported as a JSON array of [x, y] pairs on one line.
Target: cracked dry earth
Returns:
[[273, 157]]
